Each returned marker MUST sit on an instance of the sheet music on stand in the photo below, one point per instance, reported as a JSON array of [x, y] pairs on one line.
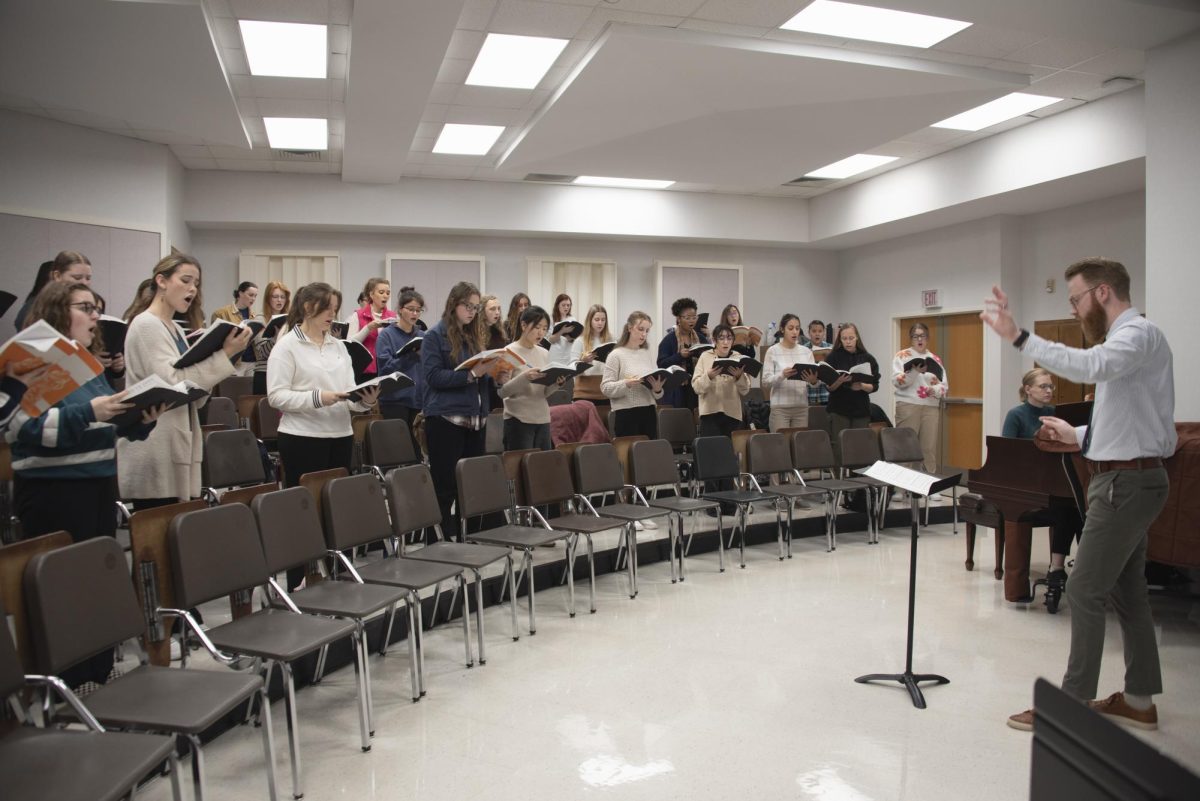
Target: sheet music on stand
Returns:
[[907, 479]]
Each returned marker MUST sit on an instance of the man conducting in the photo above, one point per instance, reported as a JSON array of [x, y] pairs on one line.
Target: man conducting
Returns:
[[1131, 431]]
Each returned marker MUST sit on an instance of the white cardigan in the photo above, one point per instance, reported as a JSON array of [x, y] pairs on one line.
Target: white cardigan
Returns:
[[167, 463]]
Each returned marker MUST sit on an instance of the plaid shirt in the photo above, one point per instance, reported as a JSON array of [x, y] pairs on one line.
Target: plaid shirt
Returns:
[[818, 395]]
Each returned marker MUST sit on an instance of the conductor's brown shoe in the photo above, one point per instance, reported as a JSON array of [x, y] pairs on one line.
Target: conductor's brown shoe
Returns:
[[1118, 710], [1022, 721]]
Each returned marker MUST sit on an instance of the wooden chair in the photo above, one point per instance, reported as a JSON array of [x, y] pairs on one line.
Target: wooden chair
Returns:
[[234, 387], [624, 448], [246, 407], [13, 559]]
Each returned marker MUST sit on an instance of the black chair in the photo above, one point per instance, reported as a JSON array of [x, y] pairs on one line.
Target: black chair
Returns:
[[860, 448], [217, 551], [81, 602], [355, 513], [811, 450], [653, 466], [548, 482], [717, 461], [484, 489], [234, 387], [231, 459], [902, 445], [598, 471], [414, 507], [493, 432], [678, 427], [387, 445], [221, 411], [291, 535], [769, 455], [48, 764]]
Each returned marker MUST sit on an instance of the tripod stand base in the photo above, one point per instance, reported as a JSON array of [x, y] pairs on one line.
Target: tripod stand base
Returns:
[[909, 680]]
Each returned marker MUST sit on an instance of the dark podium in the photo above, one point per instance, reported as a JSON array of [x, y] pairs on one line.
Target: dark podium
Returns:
[[918, 484]]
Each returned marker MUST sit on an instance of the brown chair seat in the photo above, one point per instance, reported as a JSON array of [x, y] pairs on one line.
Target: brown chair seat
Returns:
[[588, 524], [281, 636], [471, 557], [53, 765], [345, 599], [411, 574], [169, 699], [518, 536]]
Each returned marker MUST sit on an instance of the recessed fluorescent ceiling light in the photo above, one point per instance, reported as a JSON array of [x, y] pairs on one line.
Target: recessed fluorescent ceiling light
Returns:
[[999, 110], [873, 24], [297, 133], [850, 166], [624, 183], [514, 62], [285, 49], [467, 140]]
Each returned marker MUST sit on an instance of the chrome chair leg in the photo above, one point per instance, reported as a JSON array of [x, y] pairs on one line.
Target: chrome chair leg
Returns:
[[173, 769], [510, 582], [360, 689], [416, 654], [591, 548], [197, 766], [268, 741], [319, 672], [293, 727], [387, 630], [479, 614]]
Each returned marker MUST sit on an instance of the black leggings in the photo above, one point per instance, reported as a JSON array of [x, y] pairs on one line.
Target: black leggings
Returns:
[[447, 443], [83, 507], [301, 455], [636, 420]]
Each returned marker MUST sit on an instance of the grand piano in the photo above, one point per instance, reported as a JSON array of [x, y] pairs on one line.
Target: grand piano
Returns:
[[1027, 485]]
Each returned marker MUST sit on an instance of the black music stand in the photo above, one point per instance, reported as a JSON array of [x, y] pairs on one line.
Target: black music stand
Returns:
[[917, 484]]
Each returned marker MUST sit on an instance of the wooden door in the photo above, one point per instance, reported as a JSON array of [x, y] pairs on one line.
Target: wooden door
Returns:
[[958, 340], [1070, 333]]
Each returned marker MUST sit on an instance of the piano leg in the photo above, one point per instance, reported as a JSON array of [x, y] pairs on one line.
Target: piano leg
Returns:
[[970, 546], [999, 544], [1018, 541]]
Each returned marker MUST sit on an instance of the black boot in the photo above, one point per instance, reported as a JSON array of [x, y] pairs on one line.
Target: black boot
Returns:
[[1056, 584]]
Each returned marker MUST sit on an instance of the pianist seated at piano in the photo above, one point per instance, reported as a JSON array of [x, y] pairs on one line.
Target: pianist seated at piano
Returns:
[[1022, 422]]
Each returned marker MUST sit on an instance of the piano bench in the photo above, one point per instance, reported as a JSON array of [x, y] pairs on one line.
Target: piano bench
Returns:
[[974, 511]]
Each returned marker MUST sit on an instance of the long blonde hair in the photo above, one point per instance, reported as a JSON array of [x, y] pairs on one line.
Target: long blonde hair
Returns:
[[605, 335], [634, 318]]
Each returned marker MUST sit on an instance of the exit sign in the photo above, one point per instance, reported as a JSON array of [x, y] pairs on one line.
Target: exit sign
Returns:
[[931, 298]]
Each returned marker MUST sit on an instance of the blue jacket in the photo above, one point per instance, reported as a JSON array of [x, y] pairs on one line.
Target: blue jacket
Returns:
[[66, 441], [668, 354], [450, 392], [391, 339]]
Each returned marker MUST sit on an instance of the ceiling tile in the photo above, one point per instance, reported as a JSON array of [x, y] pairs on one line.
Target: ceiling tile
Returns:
[[227, 32], [529, 18], [899, 148], [428, 130], [480, 115], [311, 11], [574, 51], [767, 13], [191, 151], [337, 91], [988, 41], [491, 96], [243, 85], [339, 39], [681, 8], [87, 118], [1060, 53], [264, 86], [293, 107], [337, 131], [218, 8], [242, 165], [443, 93], [454, 70], [1128, 63], [712, 26], [340, 11], [1103, 91], [801, 37], [248, 107], [966, 60], [239, 153], [1066, 83], [476, 15], [602, 16], [465, 45]]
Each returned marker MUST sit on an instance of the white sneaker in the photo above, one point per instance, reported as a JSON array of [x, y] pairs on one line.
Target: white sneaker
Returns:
[[936, 498], [637, 525], [649, 524]]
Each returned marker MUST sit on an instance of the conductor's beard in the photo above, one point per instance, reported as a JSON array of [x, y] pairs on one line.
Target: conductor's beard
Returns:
[[1095, 323]]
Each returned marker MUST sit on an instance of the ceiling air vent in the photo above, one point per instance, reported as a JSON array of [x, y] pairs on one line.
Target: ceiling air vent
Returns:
[[300, 155], [805, 181], [549, 178]]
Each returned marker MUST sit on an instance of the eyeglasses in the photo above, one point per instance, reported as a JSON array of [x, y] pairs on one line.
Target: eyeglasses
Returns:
[[689, 318], [414, 309], [1074, 299], [86, 308], [472, 307], [1046, 387], [920, 336]]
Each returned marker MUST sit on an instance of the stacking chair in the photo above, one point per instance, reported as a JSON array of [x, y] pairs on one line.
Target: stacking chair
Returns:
[[653, 465], [484, 489], [678, 427], [217, 551], [769, 455], [811, 450], [715, 461], [512, 471], [265, 422], [818, 419], [493, 433], [388, 444], [231, 459], [860, 448], [246, 406], [291, 534], [234, 387], [81, 602], [548, 481], [53, 764], [598, 471], [414, 507], [221, 411], [355, 513], [902, 445]]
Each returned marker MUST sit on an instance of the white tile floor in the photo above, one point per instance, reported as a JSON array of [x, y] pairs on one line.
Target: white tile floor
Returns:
[[729, 685]]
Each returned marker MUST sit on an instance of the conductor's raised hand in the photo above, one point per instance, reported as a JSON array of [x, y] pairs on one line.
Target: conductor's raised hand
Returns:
[[1059, 430], [997, 316], [107, 407], [237, 340]]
